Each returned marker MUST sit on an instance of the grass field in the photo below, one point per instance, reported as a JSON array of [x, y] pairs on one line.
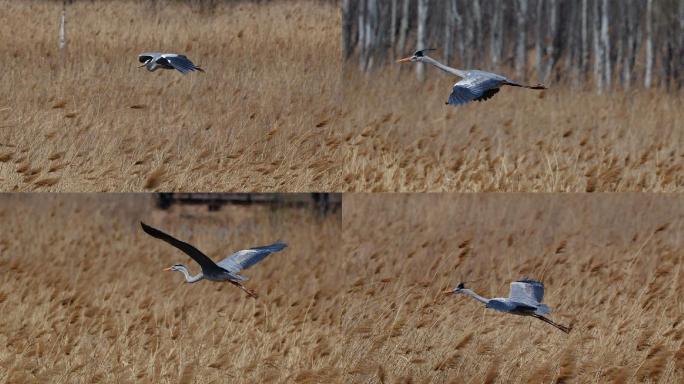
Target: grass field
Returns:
[[84, 298], [278, 111], [612, 265]]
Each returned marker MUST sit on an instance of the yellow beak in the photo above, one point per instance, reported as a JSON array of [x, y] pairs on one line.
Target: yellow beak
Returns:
[[167, 269], [405, 59], [448, 292]]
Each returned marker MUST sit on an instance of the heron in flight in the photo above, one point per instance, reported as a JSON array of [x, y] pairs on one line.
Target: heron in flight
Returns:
[[226, 269], [524, 299], [155, 60], [474, 84]]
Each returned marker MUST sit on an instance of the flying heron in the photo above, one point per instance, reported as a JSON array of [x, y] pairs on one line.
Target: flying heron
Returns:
[[226, 269], [155, 60], [474, 84], [524, 299]]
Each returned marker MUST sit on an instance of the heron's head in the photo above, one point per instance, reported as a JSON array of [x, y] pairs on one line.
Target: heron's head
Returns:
[[417, 56], [176, 267], [459, 288]]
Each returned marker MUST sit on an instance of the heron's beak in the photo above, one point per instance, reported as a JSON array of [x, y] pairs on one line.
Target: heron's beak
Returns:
[[167, 269], [140, 66], [405, 59], [448, 292]]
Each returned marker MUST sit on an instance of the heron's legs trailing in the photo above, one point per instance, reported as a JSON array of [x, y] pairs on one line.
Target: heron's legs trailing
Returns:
[[547, 320], [249, 292]]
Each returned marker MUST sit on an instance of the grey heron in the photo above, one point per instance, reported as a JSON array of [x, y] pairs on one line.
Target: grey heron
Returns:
[[524, 299], [155, 60], [474, 85], [225, 270]]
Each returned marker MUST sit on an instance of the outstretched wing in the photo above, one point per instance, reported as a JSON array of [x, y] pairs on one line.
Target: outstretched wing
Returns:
[[145, 56], [527, 291], [180, 62], [206, 263], [474, 88], [247, 257]]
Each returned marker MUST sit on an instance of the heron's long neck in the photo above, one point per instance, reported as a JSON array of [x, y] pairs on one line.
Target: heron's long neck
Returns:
[[191, 279], [445, 68], [475, 296]]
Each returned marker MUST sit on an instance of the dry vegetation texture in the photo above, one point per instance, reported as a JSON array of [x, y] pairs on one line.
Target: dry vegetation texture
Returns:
[[403, 138], [612, 264], [94, 121], [276, 111], [84, 299]]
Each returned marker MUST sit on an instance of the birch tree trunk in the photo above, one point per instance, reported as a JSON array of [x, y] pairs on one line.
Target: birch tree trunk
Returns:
[[605, 45], [393, 23], [496, 42], [521, 39], [347, 25], [584, 55], [477, 44], [449, 31], [598, 53], [403, 28], [538, 41], [421, 35], [551, 39], [648, 76]]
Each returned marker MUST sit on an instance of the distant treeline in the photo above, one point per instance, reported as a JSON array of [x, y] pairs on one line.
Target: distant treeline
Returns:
[[595, 43]]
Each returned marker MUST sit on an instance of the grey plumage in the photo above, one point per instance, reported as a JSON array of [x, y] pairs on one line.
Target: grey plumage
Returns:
[[226, 270], [475, 85], [155, 60], [524, 298]]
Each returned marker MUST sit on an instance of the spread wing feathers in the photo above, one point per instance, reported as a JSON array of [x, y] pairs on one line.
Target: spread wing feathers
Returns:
[[474, 88], [205, 262], [247, 257], [527, 291], [180, 62], [143, 57]]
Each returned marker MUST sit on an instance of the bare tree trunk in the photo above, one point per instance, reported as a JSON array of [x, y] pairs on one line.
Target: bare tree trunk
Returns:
[[521, 41], [648, 76], [551, 39], [460, 42], [393, 23], [347, 25], [372, 38], [598, 53], [361, 30], [62, 27], [403, 27], [538, 41], [628, 43], [584, 55], [421, 35], [449, 31], [496, 43], [679, 78], [477, 43], [605, 45]]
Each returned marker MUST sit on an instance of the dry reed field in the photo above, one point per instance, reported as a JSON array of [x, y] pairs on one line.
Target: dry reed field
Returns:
[[612, 266], [92, 121], [84, 298], [520, 140], [277, 110]]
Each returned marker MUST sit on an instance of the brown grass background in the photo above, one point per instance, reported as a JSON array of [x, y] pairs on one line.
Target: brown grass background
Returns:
[[84, 299], [98, 123], [612, 265], [278, 111]]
